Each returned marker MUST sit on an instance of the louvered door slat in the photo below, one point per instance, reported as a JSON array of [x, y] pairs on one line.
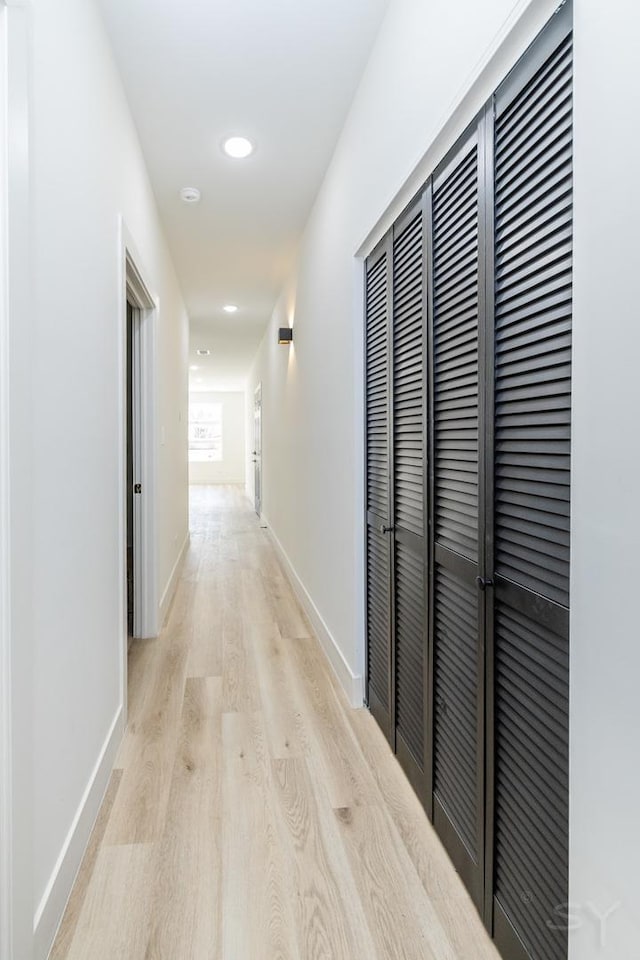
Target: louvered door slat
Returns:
[[457, 671], [408, 369], [531, 783], [455, 307], [455, 726], [378, 491], [408, 491], [378, 604], [533, 304], [410, 646]]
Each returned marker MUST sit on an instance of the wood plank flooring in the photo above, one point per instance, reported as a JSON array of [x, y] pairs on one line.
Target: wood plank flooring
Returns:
[[252, 814]]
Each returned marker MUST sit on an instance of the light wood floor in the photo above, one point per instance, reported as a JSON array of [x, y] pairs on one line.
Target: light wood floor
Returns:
[[253, 815]]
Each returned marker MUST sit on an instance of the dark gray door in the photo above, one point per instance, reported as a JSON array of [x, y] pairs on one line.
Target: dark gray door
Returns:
[[379, 520], [408, 404], [456, 283], [530, 656]]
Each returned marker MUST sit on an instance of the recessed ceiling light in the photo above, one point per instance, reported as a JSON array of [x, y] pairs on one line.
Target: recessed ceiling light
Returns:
[[230, 308], [190, 195], [237, 147], [194, 367], [203, 353]]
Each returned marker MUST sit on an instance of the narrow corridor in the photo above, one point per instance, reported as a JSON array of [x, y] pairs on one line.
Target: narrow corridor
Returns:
[[252, 814]]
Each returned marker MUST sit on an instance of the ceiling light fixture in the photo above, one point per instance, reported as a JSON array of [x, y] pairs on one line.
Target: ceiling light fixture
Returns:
[[203, 353], [238, 148], [230, 308], [190, 195]]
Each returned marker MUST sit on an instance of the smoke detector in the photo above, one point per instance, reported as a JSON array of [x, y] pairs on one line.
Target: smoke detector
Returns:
[[190, 195]]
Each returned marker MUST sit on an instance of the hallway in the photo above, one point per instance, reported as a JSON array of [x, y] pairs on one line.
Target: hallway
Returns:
[[252, 814]]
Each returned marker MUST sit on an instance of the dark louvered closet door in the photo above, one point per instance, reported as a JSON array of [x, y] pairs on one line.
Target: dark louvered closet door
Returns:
[[457, 611], [533, 250], [378, 485], [409, 447]]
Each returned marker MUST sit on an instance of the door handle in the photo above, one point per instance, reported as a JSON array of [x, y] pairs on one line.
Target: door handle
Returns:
[[483, 582], [384, 529]]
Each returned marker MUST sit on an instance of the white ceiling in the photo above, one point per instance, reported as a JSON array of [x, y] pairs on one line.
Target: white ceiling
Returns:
[[281, 72]]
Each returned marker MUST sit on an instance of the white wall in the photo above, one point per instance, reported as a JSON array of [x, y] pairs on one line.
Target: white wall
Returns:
[[86, 170], [418, 76], [18, 521], [16, 680], [232, 467], [605, 647]]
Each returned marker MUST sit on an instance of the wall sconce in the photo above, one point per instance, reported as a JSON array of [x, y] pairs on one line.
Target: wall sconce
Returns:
[[285, 336]]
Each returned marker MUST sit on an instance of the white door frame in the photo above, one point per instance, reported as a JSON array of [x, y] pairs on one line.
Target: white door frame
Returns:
[[136, 290]]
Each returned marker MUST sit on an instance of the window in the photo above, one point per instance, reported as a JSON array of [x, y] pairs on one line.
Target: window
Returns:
[[205, 432]]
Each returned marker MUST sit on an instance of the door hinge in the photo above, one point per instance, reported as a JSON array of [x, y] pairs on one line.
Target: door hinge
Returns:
[[137, 488]]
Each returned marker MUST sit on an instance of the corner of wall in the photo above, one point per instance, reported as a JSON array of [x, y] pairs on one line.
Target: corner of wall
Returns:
[[172, 583], [52, 905], [351, 683]]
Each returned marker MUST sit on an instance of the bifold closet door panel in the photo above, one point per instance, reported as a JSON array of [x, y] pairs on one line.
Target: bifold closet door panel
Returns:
[[533, 308], [457, 615], [409, 457], [378, 458], [531, 776]]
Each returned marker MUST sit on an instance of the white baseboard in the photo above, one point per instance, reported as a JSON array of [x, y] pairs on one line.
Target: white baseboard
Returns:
[[52, 905], [170, 588], [352, 684]]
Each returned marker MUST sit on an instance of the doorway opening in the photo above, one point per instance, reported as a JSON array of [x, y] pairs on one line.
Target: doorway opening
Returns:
[[133, 486], [139, 600], [257, 449]]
